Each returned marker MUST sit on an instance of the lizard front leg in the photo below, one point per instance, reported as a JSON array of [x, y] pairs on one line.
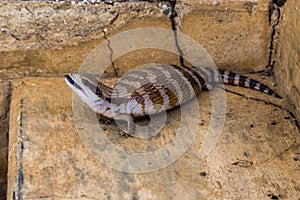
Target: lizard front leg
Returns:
[[130, 124], [104, 120]]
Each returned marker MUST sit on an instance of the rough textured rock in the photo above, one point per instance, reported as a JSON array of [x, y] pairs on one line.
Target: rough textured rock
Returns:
[[4, 115], [54, 62], [46, 39], [287, 68], [235, 33], [255, 156], [63, 52], [28, 25]]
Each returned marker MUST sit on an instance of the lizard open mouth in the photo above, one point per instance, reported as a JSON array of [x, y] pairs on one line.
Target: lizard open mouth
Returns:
[[71, 81]]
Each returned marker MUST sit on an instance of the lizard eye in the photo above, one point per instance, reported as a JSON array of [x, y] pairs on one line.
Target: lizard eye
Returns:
[[90, 85], [85, 82]]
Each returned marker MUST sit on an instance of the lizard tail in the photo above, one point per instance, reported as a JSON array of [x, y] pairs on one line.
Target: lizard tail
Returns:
[[231, 78]]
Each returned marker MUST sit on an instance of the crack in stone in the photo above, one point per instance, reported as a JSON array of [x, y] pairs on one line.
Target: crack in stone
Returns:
[[111, 53], [274, 19], [17, 193], [28, 10], [174, 28], [5, 118], [17, 37]]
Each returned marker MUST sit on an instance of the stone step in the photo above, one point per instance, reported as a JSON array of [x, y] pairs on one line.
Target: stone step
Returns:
[[254, 157], [235, 33], [4, 119]]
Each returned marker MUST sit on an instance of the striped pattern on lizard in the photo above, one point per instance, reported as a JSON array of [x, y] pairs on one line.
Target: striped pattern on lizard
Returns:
[[153, 89]]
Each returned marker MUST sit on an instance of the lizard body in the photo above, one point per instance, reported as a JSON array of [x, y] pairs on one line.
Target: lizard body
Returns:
[[153, 89]]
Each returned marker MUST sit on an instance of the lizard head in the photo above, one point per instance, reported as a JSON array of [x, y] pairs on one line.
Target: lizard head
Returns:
[[87, 88]]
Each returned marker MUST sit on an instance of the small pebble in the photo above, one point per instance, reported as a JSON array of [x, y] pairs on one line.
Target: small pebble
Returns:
[[203, 173]]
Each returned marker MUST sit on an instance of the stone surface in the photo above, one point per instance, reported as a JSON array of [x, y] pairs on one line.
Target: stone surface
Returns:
[[32, 25], [56, 62], [46, 39], [287, 68], [4, 118], [43, 62], [255, 156], [235, 33]]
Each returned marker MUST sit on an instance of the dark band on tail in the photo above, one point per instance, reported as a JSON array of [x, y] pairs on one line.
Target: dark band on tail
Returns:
[[231, 78]]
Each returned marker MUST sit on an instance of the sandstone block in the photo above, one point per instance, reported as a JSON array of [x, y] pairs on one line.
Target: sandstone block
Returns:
[[4, 118], [287, 70], [46, 39], [235, 33], [254, 157]]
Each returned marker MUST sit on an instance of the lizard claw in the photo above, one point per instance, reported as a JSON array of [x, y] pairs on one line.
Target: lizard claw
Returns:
[[125, 133], [104, 120]]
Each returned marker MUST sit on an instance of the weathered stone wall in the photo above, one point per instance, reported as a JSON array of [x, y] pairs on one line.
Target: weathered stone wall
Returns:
[[4, 118], [255, 157], [287, 69], [235, 34], [29, 25]]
